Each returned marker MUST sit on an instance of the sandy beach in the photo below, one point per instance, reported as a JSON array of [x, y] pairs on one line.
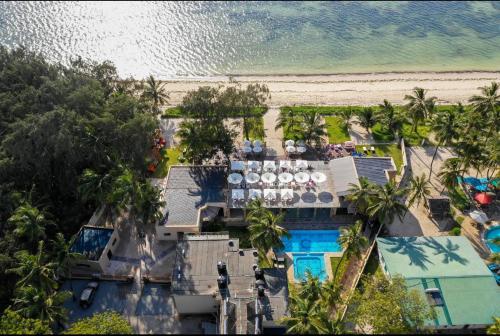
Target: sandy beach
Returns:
[[349, 89]]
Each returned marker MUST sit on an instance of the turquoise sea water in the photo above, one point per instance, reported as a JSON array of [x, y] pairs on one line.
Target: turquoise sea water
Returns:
[[171, 39]]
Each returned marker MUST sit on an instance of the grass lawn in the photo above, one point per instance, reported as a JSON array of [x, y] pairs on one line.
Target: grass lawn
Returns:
[[385, 150], [337, 131], [415, 138], [380, 134], [458, 199], [323, 110], [334, 261], [170, 157], [175, 112], [256, 128]]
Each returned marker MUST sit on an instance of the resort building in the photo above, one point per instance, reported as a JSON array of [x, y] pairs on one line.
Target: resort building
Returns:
[[449, 273], [212, 275]]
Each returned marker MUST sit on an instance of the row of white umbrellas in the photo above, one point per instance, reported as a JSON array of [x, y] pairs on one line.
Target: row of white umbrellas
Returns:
[[300, 177], [267, 165], [290, 146], [256, 143], [269, 194], [247, 146]]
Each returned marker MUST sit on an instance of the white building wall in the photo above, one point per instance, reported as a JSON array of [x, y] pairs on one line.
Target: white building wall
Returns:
[[165, 232], [196, 304]]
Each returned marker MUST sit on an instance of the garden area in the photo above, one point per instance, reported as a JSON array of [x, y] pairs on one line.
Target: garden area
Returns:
[[169, 157], [334, 262], [176, 112], [337, 130], [256, 126]]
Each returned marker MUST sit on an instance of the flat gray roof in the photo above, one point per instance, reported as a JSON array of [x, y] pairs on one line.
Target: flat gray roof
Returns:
[[373, 168], [343, 173]]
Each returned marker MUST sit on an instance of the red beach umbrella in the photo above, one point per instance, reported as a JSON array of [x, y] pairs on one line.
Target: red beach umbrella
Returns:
[[483, 198]]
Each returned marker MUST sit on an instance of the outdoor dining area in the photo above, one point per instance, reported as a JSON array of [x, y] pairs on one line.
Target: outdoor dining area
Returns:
[[252, 149], [279, 183], [295, 148]]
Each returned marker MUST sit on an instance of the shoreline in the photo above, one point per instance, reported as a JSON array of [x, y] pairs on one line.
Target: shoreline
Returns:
[[348, 89]]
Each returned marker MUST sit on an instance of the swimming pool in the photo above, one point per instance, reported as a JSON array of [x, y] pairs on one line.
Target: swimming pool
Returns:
[[314, 263], [489, 235], [312, 241]]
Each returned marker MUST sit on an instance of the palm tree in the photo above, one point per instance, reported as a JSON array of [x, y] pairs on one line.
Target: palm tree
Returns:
[[148, 203], [306, 317], [266, 232], [33, 302], [352, 241], [313, 128], [34, 270], [29, 223], [155, 93], [330, 294], [289, 121], [445, 127], [367, 118], [361, 194], [331, 326], [347, 115], [488, 106], [449, 173], [495, 258], [94, 186], [310, 287], [386, 203], [63, 256], [419, 191], [419, 107], [123, 190], [390, 119], [255, 209], [494, 329]]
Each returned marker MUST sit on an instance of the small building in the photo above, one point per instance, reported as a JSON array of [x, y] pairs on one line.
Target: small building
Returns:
[[439, 207], [212, 275], [97, 245], [449, 273]]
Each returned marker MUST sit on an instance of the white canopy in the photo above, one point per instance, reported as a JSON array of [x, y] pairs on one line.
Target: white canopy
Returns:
[[285, 177], [301, 149], [290, 149], [247, 149], [254, 193], [286, 164], [234, 178], [286, 194], [237, 165], [253, 164], [289, 143], [270, 194], [252, 178], [247, 143], [478, 216], [238, 194], [269, 165], [257, 149], [302, 164], [268, 177], [300, 143], [257, 143], [301, 177], [318, 177]]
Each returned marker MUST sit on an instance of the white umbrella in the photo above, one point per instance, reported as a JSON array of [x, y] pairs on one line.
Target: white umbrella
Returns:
[[268, 177], [270, 194], [254, 193], [257, 143], [247, 143], [287, 164], [234, 178], [253, 164], [238, 194], [301, 149], [269, 165], [252, 178], [257, 149], [318, 177], [301, 177], [289, 143], [300, 143], [302, 164], [247, 149], [290, 149], [478, 216], [237, 165], [286, 194], [285, 177]]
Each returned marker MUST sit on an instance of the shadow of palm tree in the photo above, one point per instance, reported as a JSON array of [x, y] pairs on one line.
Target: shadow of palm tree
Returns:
[[209, 182], [412, 249], [448, 251]]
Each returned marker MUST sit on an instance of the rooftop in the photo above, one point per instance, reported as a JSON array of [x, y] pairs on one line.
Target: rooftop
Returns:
[[373, 168], [91, 241]]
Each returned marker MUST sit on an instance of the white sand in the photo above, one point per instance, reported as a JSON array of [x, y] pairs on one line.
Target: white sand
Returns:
[[350, 89]]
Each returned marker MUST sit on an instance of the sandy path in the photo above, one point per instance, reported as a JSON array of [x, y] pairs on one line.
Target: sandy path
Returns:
[[353, 89]]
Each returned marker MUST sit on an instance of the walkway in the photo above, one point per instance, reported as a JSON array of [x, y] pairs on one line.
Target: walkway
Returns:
[[359, 134], [274, 137]]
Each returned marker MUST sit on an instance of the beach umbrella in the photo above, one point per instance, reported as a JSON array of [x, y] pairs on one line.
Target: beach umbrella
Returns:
[[285, 177], [254, 193], [269, 165], [234, 178], [270, 194], [289, 143], [478, 216], [257, 143], [302, 164], [290, 149], [237, 165], [253, 165], [318, 177], [286, 194], [301, 177], [247, 143], [300, 143], [483, 198], [301, 149], [257, 149], [238, 194], [268, 177], [286, 164], [252, 178], [247, 149]]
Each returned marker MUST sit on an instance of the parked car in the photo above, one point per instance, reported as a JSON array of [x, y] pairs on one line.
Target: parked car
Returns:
[[495, 269], [88, 293]]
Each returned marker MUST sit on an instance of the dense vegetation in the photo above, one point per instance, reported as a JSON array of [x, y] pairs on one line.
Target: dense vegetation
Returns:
[[107, 323], [72, 138]]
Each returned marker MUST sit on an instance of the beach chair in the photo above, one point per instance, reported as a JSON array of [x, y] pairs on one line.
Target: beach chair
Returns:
[[364, 149], [372, 149]]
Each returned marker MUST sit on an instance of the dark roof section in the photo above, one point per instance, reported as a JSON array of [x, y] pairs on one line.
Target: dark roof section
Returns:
[[91, 241], [190, 188], [439, 207], [374, 168]]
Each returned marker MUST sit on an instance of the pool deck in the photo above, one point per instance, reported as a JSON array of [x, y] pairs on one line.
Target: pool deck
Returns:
[[328, 265]]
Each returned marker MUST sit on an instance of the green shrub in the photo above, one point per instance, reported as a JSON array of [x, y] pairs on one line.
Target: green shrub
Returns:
[[456, 231], [459, 220]]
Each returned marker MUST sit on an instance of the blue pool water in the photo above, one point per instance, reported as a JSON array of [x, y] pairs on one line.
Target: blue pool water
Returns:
[[312, 241], [314, 263], [492, 233]]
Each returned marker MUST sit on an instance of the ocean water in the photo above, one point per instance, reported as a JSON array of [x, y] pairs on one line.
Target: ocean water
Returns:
[[169, 39]]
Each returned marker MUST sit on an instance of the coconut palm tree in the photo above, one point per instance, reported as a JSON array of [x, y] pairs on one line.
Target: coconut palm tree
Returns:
[[313, 128], [487, 106], [367, 118], [419, 190], [154, 92], [266, 232], [352, 241], [330, 294], [148, 204], [360, 194], [34, 270], [387, 203], [449, 173], [63, 256], [33, 302], [289, 121], [494, 329], [29, 223], [94, 186], [445, 127], [331, 326], [305, 317], [390, 119], [255, 209], [347, 115], [310, 287], [419, 107]]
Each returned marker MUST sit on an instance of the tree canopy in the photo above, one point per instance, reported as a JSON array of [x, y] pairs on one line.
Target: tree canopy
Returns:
[[14, 323], [107, 323]]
